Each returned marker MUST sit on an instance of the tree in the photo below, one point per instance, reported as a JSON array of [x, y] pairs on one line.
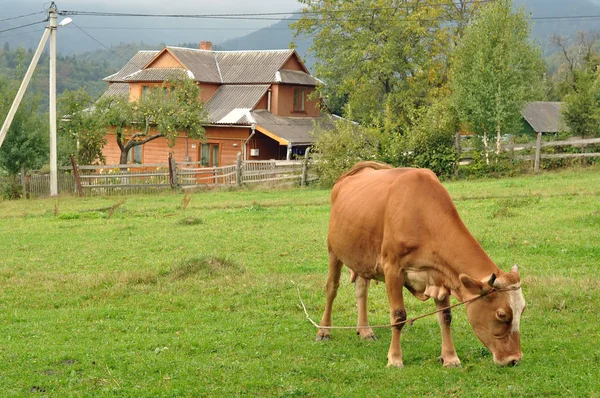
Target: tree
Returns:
[[580, 83], [164, 112], [581, 111], [380, 58], [26, 143], [385, 63], [80, 132], [495, 71]]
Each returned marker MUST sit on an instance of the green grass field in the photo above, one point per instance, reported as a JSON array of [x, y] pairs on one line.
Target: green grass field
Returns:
[[155, 298]]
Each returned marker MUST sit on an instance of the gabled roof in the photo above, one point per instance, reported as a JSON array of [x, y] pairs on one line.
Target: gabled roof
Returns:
[[544, 117], [231, 103], [224, 67], [201, 63], [137, 62], [251, 66]]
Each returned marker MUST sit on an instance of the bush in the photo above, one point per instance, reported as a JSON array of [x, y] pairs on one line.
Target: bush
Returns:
[[499, 166], [11, 189], [338, 149], [430, 143]]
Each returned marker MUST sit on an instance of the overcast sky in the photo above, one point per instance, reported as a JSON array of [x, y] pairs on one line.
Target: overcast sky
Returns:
[[113, 30]]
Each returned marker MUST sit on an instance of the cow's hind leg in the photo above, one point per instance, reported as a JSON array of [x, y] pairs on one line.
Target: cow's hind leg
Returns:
[[333, 282], [449, 357], [394, 282], [362, 292]]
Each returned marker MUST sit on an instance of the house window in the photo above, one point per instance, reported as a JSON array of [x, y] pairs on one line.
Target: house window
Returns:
[[209, 155], [299, 94], [135, 155], [146, 90]]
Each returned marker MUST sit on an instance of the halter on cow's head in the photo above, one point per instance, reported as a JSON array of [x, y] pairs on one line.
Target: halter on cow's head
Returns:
[[496, 316]]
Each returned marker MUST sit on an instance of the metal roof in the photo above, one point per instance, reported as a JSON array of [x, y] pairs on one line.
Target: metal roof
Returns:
[[296, 130], [157, 75], [259, 66], [544, 117], [295, 77], [227, 99], [137, 62]]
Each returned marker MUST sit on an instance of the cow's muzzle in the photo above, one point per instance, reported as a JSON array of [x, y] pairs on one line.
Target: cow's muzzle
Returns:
[[512, 360]]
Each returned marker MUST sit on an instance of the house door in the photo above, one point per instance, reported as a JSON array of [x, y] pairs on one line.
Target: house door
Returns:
[[209, 155]]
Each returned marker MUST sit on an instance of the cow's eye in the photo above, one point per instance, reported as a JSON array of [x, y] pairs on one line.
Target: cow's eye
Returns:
[[503, 316]]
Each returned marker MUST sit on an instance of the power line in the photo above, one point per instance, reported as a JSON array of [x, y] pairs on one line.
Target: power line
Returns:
[[253, 16], [565, 17], [23, 26], [190, 28], [263, 15], [22, 16], [20, 34], [276, 16], [102, 44]]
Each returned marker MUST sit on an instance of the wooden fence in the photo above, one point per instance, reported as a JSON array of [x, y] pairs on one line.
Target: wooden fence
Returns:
[[539, 145], [147, 178]]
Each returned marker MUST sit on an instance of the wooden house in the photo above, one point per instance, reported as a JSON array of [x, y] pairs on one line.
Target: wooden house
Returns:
[[258, 103]]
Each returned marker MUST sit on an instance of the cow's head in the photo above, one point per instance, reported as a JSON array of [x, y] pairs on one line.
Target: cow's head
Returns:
[[496, 317]]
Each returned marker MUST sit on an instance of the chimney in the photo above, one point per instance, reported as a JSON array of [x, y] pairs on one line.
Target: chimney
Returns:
[[206, 45]]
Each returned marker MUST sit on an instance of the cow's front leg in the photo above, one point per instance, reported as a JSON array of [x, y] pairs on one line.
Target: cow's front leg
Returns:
[[361, 289], [394, 284], [449, 357]]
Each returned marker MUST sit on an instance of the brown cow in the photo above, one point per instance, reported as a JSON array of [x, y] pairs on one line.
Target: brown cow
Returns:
[[401, 226]]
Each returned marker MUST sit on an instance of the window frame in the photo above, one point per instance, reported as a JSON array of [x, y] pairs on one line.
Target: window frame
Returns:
[[299, 99], [214, 151]]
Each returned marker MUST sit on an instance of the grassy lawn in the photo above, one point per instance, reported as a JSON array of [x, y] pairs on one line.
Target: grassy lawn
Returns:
[[153, 297]]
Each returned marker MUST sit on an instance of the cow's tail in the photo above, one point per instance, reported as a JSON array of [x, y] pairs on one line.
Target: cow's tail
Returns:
[[360, 166]]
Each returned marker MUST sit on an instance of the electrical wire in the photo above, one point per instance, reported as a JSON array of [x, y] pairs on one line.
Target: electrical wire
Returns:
[[20, 34], [22, 26], [261, 15], [190, 28], [22, 16], [107, 48]]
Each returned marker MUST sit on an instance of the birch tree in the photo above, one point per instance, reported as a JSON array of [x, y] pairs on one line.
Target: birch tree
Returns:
[[496, 70]]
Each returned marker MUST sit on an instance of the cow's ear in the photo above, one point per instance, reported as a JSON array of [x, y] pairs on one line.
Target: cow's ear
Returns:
[[472, 285]]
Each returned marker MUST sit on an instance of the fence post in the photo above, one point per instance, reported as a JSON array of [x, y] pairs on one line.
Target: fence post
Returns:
[[76, 175], [238, 170], [458, 151], [23, 180], [172, 171], [538, 153], [305, 168]]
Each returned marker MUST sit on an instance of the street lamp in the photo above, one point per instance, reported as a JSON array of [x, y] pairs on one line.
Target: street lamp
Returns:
[[50, 31]]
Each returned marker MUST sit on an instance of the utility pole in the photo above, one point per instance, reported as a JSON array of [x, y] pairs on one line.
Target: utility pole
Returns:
[[49, 32], [53, 156], [24, 84]]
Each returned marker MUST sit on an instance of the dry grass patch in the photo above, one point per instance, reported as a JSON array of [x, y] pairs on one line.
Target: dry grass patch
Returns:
[[204, 266]]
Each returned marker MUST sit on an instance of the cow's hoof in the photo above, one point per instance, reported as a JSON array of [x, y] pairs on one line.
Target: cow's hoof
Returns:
[[323, 337], [366, 335], [395, 364], [450, 363]]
